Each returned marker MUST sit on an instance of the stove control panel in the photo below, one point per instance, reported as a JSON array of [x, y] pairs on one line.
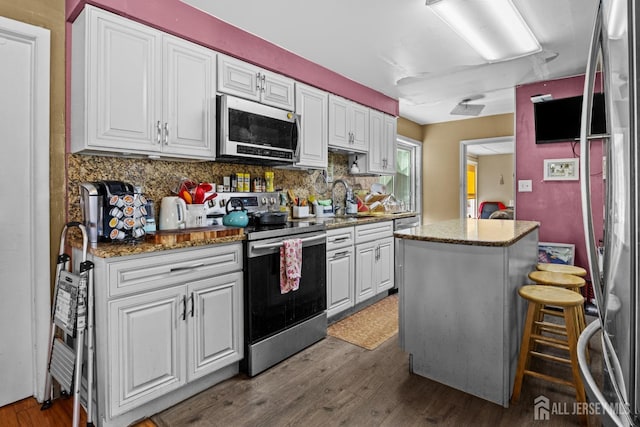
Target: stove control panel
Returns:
[[252, 202]]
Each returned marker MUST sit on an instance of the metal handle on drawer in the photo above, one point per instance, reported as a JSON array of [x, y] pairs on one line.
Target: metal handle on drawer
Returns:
[[278, 244], [340, 239], [339, 255], [174, 269]]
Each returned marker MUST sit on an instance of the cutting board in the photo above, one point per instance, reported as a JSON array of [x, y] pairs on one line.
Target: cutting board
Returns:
[[168, 237]]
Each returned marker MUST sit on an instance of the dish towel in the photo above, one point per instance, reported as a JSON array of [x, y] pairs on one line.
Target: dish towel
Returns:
[[290, 265]]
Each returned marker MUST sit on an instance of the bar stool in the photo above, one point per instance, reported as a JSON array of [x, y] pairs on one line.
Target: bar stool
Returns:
[[563, 280], [562, 268], [539, 296]]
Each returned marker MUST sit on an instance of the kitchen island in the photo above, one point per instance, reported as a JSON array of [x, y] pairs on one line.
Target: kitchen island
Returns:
[[460, 315]]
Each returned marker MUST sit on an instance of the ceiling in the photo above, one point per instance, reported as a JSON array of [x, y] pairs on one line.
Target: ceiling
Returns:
[[402, 49], [491, 148]]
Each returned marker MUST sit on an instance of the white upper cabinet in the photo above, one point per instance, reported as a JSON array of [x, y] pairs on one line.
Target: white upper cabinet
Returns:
[[138, 90], [348, 125], [312, 106], [390, 135], [189, 109], [382, 149], [242, 79]]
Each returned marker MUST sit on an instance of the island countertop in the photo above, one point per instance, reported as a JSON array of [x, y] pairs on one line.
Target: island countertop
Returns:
[[475, 232]]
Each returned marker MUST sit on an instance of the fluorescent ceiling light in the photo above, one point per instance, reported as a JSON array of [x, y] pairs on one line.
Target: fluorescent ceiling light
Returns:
[[494, 28]]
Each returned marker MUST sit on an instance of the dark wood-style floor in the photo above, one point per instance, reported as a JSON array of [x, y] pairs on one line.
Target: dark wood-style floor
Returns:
[[332, 383]]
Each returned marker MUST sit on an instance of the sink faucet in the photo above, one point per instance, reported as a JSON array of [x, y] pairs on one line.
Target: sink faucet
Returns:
[[348, 194]]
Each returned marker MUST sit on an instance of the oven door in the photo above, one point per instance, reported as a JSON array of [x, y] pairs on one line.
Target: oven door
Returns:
[[267, 310], [252, 130]]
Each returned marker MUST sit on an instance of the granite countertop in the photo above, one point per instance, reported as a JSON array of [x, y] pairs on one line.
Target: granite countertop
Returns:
[[475, 232], [347, 221], [110, 250]]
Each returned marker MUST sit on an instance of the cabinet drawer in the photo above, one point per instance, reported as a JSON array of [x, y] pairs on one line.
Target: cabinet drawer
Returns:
[[158, 270], [340, 238], [375, 231]]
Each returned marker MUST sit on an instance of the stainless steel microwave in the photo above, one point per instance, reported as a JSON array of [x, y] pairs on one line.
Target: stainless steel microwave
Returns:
[[255, 133]]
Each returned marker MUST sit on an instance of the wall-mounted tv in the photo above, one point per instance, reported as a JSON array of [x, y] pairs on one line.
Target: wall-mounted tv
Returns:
[[558, 120]]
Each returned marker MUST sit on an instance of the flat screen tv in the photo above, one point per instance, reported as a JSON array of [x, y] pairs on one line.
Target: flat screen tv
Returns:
[[558, 120]]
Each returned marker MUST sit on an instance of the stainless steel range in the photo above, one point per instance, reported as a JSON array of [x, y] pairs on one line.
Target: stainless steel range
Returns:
[[278, 325]]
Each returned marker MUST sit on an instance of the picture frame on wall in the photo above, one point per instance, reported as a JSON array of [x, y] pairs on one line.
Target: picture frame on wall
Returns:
[[561, 169], [556, 253]]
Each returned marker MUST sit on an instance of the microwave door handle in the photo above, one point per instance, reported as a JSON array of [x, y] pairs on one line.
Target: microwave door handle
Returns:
[[585, 161], [296, 120]]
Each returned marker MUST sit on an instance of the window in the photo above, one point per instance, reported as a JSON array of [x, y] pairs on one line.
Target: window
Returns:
[[406, 183]]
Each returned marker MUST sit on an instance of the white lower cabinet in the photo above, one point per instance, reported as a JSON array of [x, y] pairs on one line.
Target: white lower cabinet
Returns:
[[340, 270], [374, 251], [340, 280], [360, 264], [168, 325]]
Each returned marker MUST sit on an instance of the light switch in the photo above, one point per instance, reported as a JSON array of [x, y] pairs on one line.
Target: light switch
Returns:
[[525, 186]]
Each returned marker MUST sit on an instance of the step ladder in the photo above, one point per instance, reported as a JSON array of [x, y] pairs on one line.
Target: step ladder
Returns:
[[71, 317]]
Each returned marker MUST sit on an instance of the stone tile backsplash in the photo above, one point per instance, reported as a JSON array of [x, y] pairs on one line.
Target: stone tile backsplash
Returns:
[[158, 177]]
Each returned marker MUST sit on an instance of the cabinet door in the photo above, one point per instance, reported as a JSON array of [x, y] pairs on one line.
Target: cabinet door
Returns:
[[189, 99], [123, 83], [215, 324], [277, 90], [366, 279], [385, 264], [146, 347], [360, 127], [238, 78], [340, 280], [389, 137], [311, 105], [377, 145], [339, 125]]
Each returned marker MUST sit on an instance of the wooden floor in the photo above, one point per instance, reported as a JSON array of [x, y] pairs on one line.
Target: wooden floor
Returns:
[[329, 384]]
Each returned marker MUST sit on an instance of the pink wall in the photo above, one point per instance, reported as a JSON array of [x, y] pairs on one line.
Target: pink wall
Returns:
[[182, 20], [555, 204]]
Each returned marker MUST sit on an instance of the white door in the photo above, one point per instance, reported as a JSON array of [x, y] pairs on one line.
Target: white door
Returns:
[[146, 344], [189, 98], [311, 104], [340, 285], [385, 264], [214, 313], [24, 170], [366, 278], [376, 143], [124, 106], [238, 78], [360, 127]]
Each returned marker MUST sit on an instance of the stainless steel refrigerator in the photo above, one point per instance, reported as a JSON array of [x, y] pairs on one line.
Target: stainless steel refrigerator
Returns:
[[614, 270]]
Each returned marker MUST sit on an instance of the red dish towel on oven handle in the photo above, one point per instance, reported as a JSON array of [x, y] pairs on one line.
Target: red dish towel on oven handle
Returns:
[[290, 265]]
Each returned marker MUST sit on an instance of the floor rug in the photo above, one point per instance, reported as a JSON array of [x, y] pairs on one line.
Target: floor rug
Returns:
[[371, 326]]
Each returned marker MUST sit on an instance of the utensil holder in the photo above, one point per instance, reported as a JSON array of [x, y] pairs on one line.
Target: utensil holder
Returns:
[[300, 211]]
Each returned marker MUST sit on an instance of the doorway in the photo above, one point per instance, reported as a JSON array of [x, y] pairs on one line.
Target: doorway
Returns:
[[495, 183], [24, 254]]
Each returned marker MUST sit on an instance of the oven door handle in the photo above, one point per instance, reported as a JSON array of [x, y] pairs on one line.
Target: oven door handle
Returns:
[[278, 244]]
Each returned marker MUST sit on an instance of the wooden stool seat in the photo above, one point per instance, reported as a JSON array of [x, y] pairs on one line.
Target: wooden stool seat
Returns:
[[562, 268], [561, 280], [553, 278], [549, 295], [535, 342]]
